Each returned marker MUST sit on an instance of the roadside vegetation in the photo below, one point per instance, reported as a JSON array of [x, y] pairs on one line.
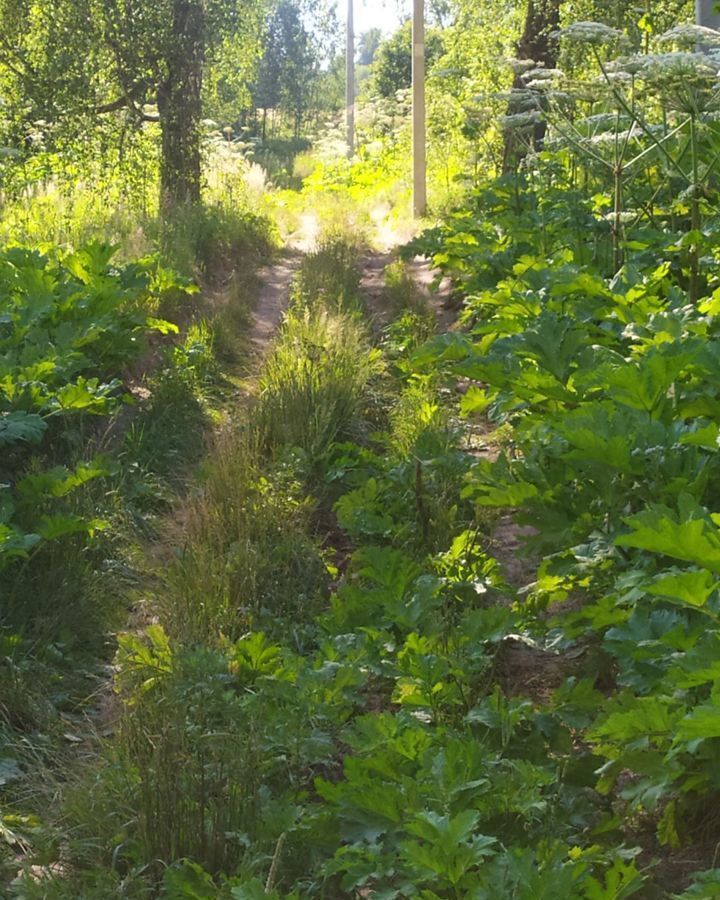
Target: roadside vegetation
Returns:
[[380, 609]]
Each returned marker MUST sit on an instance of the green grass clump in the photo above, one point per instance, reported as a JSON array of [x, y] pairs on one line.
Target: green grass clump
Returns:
[[313, 384], [316, 379], [401, 292], [216, 238], [329, 276], [247, 560], [192, 751]]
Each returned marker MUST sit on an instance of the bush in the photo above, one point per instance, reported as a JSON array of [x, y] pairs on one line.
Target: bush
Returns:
[[329, 277]]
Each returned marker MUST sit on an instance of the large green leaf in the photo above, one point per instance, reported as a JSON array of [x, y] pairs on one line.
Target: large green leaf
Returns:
[[702, 723], [692, 587], [21, 426], [658, 530]]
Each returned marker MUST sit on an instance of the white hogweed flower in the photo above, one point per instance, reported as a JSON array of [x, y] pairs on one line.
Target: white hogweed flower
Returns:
[[627, 65], [617, 77], [688, 35], [683, 64], [604, 120], [623, 218], [520, 100], [594, 33], [521, 120], [518, 66], [542, 74]]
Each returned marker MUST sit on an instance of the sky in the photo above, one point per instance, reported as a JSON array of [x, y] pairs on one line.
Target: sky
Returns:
[[385, 14]]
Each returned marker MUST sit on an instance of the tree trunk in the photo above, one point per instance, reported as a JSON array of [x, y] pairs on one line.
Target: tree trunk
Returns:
[[536, 44], [179, 105]]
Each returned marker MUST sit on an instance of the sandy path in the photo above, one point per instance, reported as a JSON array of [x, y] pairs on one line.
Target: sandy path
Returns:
[[272, 301], [372, 287]]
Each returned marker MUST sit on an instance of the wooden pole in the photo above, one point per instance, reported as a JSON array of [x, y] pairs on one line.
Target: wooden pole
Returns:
[[418, 110], [706, 15], [350, 81]]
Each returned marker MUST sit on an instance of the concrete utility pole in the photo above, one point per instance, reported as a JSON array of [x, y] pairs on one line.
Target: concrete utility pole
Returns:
[[706, 15], [418, 110], [350, 81]]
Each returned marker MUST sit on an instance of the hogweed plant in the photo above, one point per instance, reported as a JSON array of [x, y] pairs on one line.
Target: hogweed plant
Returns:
[[643, 130]]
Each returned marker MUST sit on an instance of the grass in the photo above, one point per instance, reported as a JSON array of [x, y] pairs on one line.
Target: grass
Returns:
[[401, 293], [195, 783], [117, 203], [242, 564], [211, 241], [329, 277], [247, 559], [60, 608], [313, 384]]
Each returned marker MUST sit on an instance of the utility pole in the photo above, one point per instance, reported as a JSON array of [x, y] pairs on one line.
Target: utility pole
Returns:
[[350, 81], [706, 15], [418, 110]]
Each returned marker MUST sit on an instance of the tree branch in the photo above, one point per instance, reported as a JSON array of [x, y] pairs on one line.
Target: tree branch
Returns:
[[115, 105]]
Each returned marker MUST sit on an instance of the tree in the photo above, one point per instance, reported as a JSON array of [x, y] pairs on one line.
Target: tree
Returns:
[[392, 68], [288, 66], [87, 58], [161, 51], [542, 19], [368, 46], [293, 57]]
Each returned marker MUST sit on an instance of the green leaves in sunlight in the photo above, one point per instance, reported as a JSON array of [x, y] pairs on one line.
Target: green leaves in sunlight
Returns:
[[596, 378], [70, 323], [692, 587], [686, 535]]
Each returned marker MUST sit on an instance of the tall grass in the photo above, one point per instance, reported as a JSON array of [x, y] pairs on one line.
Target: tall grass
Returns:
[[313, 384], [247, 557], [329, 277], [60, 608], [194, 749], [54, 202], [401, 293], [247, 560]]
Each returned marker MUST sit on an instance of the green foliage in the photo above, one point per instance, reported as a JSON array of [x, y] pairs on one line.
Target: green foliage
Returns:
[[248, 561], [435, 722], [289, 70], [313, 384], [392, 66], [605, 377], [69, 326], [328, 277]]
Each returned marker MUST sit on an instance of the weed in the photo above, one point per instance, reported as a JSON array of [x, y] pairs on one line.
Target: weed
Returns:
[[214, 239], [401, 294], [247, 561], [328, 277], [313, 383]]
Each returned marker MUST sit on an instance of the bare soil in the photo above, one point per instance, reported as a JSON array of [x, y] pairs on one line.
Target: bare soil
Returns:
[[272, 301]]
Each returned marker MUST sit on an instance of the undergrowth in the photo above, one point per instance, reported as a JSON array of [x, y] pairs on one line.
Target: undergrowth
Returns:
[[109, 383], [318, 713]]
